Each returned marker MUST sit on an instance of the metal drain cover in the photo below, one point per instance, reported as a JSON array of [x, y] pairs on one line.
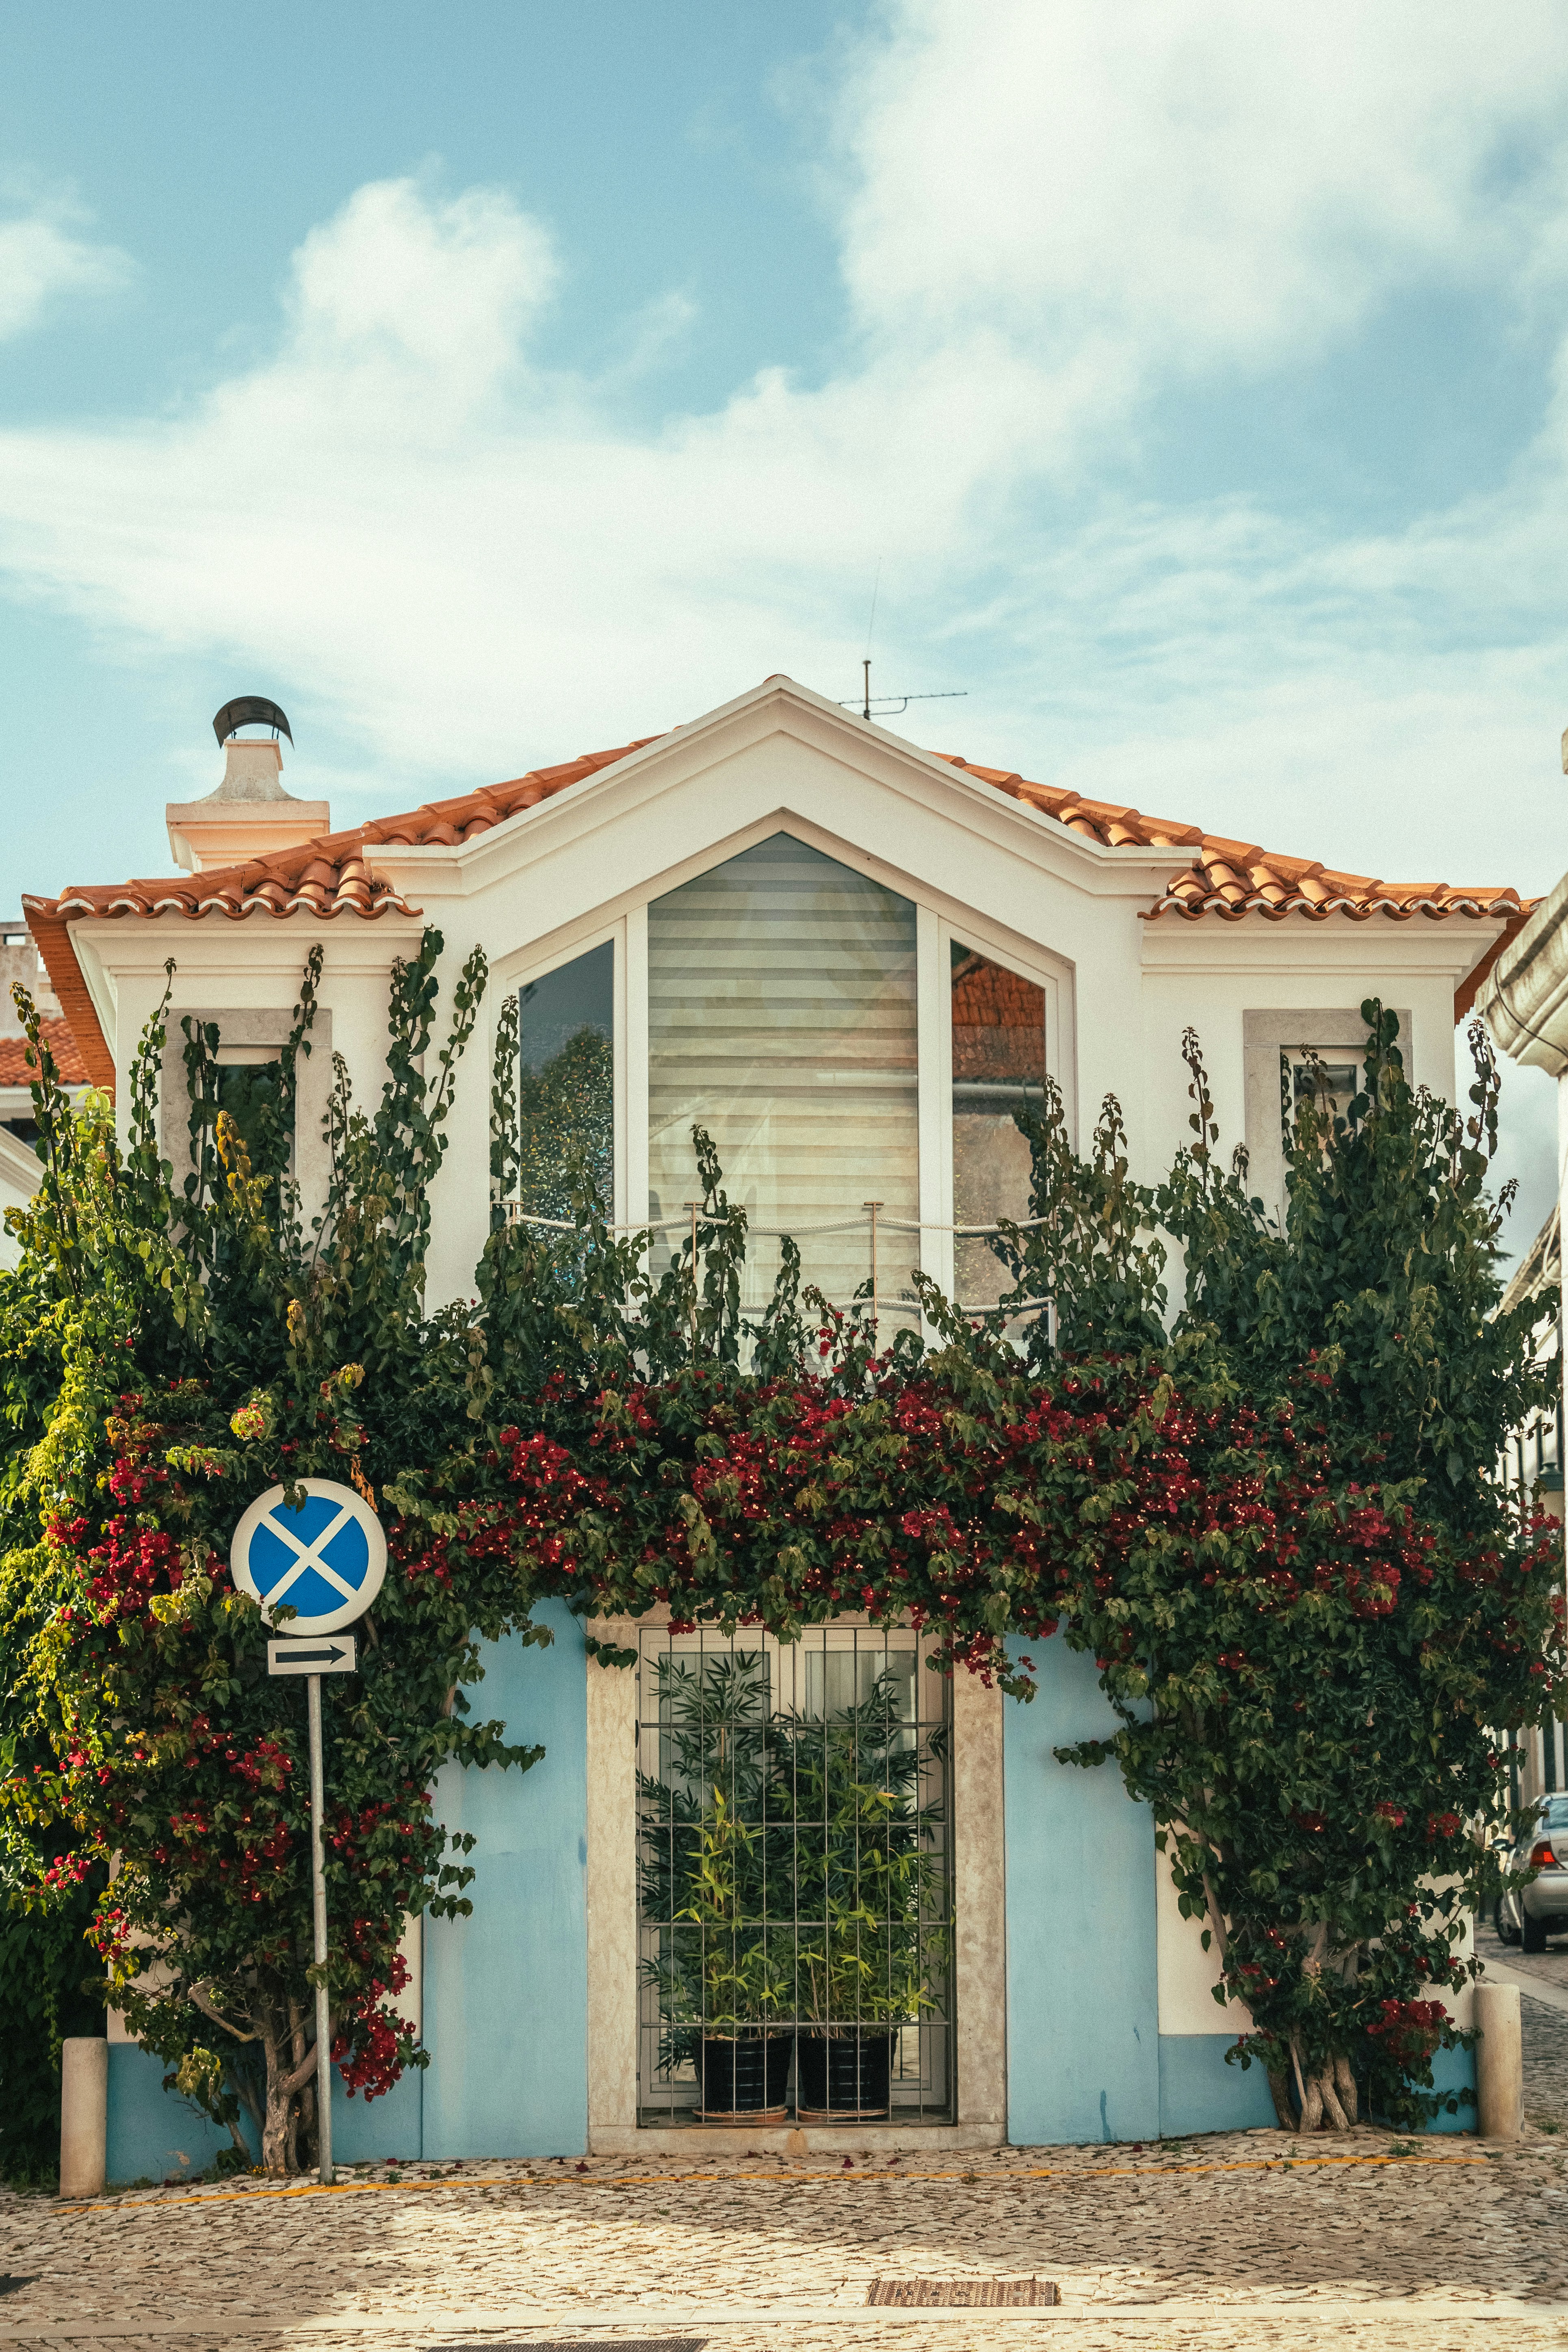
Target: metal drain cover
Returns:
[[968, 2294]]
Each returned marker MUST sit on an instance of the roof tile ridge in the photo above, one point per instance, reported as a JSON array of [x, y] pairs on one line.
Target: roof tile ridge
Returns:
[[1234, 853]]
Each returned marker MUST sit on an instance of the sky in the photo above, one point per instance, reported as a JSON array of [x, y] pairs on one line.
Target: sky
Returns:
[[1182, 385]]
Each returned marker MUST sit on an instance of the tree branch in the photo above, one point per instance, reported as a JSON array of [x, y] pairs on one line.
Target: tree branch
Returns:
[[207, 2010], [297, 2077]]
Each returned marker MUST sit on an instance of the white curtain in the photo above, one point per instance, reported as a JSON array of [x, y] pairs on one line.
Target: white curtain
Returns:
[[782, 1018]]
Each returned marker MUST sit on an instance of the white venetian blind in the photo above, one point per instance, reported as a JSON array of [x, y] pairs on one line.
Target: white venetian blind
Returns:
[[782, 1018]]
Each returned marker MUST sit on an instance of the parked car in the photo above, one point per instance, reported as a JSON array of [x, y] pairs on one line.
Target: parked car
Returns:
[[1528, 1915]]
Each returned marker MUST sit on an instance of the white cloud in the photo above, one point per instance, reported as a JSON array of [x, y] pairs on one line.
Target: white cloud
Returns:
[[1049, 214], [1194, 181], [434, 295], [42, 259]]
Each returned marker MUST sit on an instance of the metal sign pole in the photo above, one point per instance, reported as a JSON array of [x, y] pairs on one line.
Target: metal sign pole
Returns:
[[319, 1904], [324, 1553]]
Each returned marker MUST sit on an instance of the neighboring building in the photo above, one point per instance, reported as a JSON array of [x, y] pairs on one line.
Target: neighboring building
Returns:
[[851, 959], [1525, 1001], [20, 963], [1533, 1460]]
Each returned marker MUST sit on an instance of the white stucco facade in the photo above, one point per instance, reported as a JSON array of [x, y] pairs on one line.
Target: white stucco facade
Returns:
[[983, 870]]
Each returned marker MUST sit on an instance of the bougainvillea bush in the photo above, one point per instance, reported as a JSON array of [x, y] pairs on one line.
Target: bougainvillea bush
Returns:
[[198, 1346], [1267, 1512]]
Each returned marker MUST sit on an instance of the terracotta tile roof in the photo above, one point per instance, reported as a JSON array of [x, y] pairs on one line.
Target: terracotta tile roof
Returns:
[[331, 875], [57, 1036], [334, 875], [1233, 878]]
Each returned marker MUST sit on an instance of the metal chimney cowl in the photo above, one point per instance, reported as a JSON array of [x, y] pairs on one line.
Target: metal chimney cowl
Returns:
[[249, 814]]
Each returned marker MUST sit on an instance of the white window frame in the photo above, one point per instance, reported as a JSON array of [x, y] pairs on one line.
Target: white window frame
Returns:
[[1332, 1031], [940, 921]]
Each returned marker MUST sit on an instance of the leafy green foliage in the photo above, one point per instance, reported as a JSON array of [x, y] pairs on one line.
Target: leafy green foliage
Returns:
[[202, 1346], [1275, 1526], [1315, 1604]]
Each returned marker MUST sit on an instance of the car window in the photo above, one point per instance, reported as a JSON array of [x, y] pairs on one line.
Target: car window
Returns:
[[1554, 1814]]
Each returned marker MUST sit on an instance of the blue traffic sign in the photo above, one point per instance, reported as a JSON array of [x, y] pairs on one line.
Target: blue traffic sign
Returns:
[[326, 1560]]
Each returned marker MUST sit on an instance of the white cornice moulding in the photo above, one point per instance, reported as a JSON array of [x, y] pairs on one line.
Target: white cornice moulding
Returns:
[[1452, 948], [19, 1164]]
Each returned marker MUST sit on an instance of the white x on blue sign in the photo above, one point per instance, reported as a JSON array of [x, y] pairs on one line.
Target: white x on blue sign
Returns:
[[326, 1560]]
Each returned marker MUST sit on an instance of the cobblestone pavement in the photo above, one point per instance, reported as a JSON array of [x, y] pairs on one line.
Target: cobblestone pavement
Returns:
[[1213, 2243]]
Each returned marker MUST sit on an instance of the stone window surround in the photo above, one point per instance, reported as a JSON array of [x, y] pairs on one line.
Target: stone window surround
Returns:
[[250, 1027], [980, 1945], [1266, 1036]]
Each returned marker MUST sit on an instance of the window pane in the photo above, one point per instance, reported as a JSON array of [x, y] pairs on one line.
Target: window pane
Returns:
[[247, 1091], [566, 1084], [782, 1018], [1328, 1082], [998, 1068]]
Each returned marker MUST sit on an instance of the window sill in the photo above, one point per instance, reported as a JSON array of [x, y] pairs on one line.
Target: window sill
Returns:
[[793, 2139]]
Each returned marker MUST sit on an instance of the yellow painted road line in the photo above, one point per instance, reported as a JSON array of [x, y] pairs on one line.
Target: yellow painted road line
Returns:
[[844, 2179]]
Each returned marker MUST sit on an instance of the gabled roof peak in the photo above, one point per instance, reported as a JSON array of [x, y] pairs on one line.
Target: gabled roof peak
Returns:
[[334, 874]]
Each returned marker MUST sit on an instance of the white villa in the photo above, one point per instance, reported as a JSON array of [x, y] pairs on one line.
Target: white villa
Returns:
[[847, 957]]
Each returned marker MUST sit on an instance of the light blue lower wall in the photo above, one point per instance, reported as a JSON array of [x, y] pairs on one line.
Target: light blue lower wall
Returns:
[[1454, 2070], [154, 2132], [506, 1995], [366, 2130], [506, 1991], [1083, 2034], [1199, 2093]]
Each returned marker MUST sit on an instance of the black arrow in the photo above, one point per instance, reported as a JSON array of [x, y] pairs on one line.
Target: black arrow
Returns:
[[313, 1657]]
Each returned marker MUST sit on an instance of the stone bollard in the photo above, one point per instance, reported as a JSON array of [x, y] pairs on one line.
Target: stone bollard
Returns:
[[84, 2114], [1500, 2062]]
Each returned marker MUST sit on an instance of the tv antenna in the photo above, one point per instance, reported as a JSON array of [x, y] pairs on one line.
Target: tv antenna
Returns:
[[889, 705]]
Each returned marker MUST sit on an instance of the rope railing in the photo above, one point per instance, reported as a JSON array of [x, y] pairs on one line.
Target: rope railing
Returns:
[[873, 1222], [516, 1216]]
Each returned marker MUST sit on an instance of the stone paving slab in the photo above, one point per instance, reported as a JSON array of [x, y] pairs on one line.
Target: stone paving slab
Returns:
[[1235, 2240], [1250, 2237], [967, 2332]]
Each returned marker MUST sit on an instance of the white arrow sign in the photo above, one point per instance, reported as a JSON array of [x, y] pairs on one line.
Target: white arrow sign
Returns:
[[329, 1653]]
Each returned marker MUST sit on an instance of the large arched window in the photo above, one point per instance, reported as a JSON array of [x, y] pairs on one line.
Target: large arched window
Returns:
[[782, 1017]]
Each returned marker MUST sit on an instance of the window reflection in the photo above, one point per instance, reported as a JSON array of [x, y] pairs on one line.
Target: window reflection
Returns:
[[566, 1111], [998, 1070]]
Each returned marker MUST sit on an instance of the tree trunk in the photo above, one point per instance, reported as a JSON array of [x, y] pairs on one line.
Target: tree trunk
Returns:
[[286, 2075], [1348, 2098], [279, 2105], [1320, 2094], [1334, 2114]]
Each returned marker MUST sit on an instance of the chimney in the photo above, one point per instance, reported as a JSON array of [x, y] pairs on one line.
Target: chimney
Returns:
[[251, 815]]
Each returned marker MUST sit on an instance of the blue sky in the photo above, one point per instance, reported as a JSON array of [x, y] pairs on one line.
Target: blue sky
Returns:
[[495, 383]]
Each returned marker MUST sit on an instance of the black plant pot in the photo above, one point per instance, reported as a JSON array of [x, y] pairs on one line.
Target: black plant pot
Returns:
[[843, 2075], [745, 2081]]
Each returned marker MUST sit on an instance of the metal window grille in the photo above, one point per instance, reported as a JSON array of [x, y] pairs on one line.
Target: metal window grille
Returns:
[[794, 1885]]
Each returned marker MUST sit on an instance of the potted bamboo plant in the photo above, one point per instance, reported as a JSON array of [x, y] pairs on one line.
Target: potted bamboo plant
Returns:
[[872, 1934], [722, 1970]]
